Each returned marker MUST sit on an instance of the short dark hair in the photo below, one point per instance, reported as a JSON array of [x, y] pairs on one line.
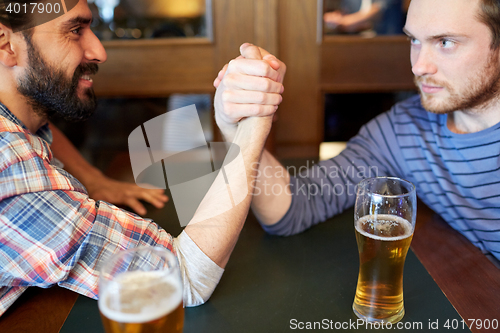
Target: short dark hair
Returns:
[[15, 21], [490, 15], [26, 18]]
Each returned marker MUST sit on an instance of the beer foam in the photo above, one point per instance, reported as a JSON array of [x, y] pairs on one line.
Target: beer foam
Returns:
[[164, 298], [382, 220]]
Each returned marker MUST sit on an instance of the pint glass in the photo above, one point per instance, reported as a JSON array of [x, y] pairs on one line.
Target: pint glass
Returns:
[[140, 290], [384, 220]]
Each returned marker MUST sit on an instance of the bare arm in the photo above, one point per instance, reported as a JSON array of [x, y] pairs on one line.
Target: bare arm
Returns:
[[269, 206], [98, 185], [358, 21], [272, 197], [217, 236]]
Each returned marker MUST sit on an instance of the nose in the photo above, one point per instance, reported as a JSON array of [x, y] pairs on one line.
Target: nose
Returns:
[[422, 62], [93, 49]]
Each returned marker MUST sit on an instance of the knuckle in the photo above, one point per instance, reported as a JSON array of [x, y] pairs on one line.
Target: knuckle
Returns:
[[226, 96], [255, 110], [269, 70], [261, 98], [267, 85], [263, 67], [228, 79], [231, 64], [270, 109]]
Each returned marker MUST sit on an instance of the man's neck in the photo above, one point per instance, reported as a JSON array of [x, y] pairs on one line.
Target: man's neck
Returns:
[[474, 120], [18, 105]]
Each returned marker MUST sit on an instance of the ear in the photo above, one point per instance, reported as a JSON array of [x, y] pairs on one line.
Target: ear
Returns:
[[7, 55]]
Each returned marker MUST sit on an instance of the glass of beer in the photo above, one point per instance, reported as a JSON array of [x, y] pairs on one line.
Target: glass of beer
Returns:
[[140, 290], [384, 219]]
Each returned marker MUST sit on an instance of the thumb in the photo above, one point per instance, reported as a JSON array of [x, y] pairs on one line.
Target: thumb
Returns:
[[250, 51]]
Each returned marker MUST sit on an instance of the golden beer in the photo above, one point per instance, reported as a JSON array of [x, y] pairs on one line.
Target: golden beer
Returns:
[[142, 302], [383, 242]]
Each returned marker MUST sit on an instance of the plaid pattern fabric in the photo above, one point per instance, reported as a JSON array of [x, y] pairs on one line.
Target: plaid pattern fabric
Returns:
[[51, 232]]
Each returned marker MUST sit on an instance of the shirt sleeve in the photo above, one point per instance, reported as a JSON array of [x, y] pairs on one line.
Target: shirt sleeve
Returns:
[[200, 275], [328, 188], [62, 237]]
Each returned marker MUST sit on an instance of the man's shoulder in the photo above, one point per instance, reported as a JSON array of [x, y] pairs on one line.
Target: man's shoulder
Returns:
[[25, 167], [18, 144]]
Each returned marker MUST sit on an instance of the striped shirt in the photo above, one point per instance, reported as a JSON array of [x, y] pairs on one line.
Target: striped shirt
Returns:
[[51, 232], [457, 175]]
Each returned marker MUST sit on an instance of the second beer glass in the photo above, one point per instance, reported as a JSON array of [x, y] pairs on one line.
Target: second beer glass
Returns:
[[140, 290], [384, 219]]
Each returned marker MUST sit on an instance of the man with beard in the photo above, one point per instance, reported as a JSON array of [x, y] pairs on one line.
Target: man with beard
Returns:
[[51, 232], [445, 141], [52, 93]]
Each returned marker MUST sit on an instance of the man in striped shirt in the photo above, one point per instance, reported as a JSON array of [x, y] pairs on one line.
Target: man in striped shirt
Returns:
[[445, 141], [51, 232]]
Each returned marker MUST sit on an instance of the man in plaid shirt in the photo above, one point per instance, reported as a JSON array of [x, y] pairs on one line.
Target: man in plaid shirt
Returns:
[[51, 232]]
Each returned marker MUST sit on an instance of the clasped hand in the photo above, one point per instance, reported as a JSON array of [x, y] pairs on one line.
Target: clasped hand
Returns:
[[248, 86]]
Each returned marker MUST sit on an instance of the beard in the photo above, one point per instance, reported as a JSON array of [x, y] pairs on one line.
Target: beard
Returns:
[[51, 93], [480, 90]]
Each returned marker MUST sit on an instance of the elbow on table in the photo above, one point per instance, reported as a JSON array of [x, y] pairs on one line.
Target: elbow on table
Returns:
[[194, 297]]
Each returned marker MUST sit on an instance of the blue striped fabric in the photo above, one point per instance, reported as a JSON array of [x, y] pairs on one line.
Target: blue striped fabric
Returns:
[[457, 175]]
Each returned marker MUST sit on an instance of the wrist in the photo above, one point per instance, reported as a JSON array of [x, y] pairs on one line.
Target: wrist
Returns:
[[228, 130], [254, 130]]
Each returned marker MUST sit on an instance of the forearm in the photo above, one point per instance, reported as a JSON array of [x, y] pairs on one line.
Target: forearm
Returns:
[[361, 19], [73, 161], [272, 196], [248, 93], [217, 236]]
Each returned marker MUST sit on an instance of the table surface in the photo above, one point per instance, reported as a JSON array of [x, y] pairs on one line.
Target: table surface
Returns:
[[271, 283]]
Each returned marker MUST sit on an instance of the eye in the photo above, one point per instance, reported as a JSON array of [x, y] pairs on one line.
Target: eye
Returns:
[[76, 31], [414, 41], [447, 44]]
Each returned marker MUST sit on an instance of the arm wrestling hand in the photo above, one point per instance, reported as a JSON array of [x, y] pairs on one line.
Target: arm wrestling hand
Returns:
[[217, 236], [250, 85]]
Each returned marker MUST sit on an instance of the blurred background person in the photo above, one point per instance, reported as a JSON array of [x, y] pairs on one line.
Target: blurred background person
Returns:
[[385, 17]]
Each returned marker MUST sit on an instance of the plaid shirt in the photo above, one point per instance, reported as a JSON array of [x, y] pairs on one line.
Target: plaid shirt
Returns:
[[51, 232]]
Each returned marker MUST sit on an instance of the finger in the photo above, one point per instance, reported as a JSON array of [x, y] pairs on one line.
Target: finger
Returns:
[[149, 187], [272, 61], [222, 72], [264, 52], [158, 199], [155, 197], [151, 196], [220, 76], [238, 81], [157, 203], [253, 67], [236, 111], [216, 83], [136, 206], [251, 97], [250, 51]]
